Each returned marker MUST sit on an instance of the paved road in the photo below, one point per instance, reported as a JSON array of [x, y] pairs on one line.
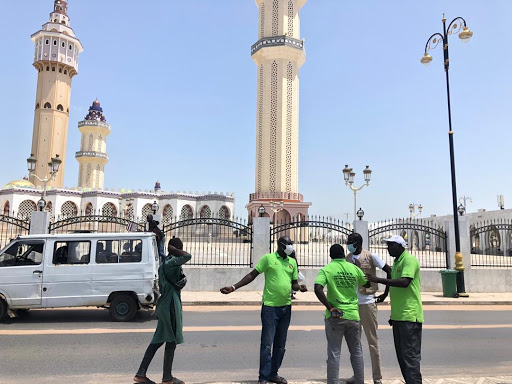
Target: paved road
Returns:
[[83, 346]]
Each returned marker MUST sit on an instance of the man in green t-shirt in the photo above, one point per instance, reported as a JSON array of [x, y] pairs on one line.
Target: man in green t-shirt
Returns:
[[342, 314], [280, 278], [406, 308]]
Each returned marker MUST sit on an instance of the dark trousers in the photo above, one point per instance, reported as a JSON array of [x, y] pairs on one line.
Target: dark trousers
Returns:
[[168, 360], [275, 322], [407, 337]]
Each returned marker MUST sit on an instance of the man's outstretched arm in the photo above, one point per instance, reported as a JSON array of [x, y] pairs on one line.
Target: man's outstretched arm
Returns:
[[247, 279]]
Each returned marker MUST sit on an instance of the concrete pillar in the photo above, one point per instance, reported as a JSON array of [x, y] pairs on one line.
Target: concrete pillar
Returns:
[[361, 227], [39, 223], [260, 238]]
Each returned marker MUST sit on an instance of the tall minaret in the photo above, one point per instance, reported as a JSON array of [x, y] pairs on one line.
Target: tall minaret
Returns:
[[92, 156], [279, 54], [56, 60]]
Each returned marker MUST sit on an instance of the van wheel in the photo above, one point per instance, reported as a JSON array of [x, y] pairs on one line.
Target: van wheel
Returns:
[[3, 310], [123, 308]]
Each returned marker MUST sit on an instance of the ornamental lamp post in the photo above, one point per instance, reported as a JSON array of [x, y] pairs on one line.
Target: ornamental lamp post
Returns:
[[456, 25], [261, 210], [53, 168], [155, 207], [41, 204], [412, 210], [348, 176]]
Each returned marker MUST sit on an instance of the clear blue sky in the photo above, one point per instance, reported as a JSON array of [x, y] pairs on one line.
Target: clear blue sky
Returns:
[[178, 86]]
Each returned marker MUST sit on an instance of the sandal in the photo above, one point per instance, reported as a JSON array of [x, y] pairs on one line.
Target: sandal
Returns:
[[142, 380], [174, 380], [278, 380]]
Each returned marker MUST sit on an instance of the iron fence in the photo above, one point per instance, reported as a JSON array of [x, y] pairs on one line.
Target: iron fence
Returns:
[[425, 240], [95, 223], [312, 237], [491, 243], [11, 227], [213, 241]]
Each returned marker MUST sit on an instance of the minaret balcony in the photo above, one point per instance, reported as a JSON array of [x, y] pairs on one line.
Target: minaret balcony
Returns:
[[279, 47], [94, 123], [92, 154], [277, 41]]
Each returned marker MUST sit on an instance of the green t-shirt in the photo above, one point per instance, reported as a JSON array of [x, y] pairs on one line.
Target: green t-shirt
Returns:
[[279, 274], [342, 279], [406, 302]]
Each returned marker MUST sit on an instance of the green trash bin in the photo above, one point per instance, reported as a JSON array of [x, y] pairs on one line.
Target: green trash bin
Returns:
[[449, 279]]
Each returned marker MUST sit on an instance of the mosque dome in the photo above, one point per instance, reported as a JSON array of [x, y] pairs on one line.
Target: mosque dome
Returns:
[[22, 183], [96, 106]]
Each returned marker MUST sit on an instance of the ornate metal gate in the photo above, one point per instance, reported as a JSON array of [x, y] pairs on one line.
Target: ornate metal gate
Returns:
[[424, 240], [213, 241], [11, 227], [312, 238], [95, 223]]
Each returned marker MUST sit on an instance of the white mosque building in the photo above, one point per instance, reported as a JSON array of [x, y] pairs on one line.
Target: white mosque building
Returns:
[[56, 57]]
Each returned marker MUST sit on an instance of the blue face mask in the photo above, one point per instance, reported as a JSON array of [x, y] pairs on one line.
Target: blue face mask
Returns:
[[351, 248]]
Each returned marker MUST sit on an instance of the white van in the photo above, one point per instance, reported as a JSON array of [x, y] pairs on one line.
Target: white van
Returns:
[[118, 271]]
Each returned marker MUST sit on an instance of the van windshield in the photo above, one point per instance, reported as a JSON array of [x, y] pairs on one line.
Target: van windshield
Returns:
[[22, 253]]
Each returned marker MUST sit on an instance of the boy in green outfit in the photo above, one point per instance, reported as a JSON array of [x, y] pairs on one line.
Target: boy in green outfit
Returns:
[[342, 314]]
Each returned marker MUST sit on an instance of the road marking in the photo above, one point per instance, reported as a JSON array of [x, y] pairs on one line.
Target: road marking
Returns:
[[320, 308], [235, 328]]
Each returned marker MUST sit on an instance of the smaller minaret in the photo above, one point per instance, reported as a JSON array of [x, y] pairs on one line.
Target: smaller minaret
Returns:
[[92, 156]]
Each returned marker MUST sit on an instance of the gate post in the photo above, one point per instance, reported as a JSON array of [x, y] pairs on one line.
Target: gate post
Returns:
[[361, 227], [260, 238], [39, 223]]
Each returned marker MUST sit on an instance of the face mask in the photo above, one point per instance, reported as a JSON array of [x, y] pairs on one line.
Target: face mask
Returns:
[[288, 250], [351, 248]]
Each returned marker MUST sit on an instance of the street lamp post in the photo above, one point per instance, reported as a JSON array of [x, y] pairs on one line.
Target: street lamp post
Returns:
[[276, 207], [412, 210], [462, 200], [53, 168], [455, 26], [348, 176]]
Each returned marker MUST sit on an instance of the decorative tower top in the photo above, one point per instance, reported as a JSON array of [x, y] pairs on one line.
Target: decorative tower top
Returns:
[[56, 41], [96, 112], [61, 6]]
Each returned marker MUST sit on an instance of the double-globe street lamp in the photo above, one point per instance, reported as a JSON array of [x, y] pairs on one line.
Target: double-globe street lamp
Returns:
[[456, 25], [348, 176], [412, 210], [53, 168]]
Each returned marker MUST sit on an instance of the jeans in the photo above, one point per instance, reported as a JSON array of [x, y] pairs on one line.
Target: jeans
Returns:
[[407, 337], [335, 330], [368, 314], [275, 322]]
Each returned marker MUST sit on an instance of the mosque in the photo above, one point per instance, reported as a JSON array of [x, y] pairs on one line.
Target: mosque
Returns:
[[56, 55]]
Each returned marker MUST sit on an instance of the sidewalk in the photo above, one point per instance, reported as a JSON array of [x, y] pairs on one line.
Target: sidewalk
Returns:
[[309, 298]]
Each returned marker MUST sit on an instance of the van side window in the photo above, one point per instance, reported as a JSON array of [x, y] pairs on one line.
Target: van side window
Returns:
[[72, 252], [22, 253], [118, 251]]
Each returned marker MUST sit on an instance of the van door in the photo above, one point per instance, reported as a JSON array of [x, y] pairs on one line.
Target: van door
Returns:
[[67, 278], [21, 273]]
